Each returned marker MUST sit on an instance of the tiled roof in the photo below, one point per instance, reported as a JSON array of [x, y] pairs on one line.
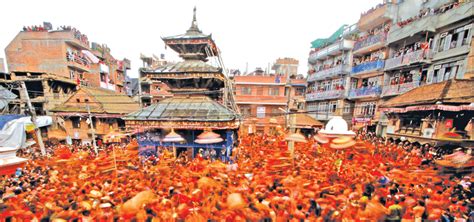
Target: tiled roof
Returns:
[[447, 92], [187, 66], [102, 101], [197, 108]]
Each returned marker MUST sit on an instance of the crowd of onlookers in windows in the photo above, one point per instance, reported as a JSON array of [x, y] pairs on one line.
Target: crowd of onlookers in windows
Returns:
[[44, 28], [375, 56], [78, 57], [428, 12], [383, 29], [412, 48], [326, 86], [372, 9], [77, 34]]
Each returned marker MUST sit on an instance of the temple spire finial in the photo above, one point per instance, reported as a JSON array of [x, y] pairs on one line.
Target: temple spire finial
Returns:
[[194, 25]]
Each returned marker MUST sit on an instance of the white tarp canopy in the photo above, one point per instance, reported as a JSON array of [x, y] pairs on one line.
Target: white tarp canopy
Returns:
[[5, 97], [13, 135]]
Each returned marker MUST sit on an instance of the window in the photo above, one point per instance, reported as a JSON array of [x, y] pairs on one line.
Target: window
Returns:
[[71, 74], [261, 112], [78, 100], [76, 122], [246, 91], [332, 106], [299, 91], [103, 77], [366, 109], [86, 100], [322, 108], [347, 108], [273, 91]]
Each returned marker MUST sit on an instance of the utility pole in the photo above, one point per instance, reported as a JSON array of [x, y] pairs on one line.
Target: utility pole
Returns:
[[33, 118], [92, 130]]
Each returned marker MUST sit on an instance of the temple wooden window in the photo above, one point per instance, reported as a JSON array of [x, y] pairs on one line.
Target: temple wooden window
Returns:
[[76, 122]]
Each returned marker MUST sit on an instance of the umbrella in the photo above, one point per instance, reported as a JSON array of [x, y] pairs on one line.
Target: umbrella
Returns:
[[296, 137], [337, 126], [342, 142], [173, 137], [208, 137], [114, 137], [321, 138]]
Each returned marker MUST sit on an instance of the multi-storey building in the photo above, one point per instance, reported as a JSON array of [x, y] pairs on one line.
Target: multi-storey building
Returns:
[[264, 99], [286, 66], [427, 45], [65, 53], [399, 47], [151, 91], [328, 75], [369, 54]]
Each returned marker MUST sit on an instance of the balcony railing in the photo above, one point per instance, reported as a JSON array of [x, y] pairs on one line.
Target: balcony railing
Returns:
[[328, 73], [371, 40], [399, 88], [409, 58], [331, 50], [331, 94], [365, 92], [368, 66]]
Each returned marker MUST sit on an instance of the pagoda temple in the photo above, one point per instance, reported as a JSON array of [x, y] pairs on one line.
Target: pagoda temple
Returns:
[[202, 116]]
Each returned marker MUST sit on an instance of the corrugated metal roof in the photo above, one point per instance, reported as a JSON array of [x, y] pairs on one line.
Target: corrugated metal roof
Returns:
[[187, 66], [199, 108]]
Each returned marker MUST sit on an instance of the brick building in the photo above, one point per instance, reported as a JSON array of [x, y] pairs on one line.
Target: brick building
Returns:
[[66, 53], [263, 100]]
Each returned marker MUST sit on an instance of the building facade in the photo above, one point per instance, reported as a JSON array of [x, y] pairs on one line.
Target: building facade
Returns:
[[66, 53], [286, 66], [328, 78], [399, 46], [437, 113], [262, 99]]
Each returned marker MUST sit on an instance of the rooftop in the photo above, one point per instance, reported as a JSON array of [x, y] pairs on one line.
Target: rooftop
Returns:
[[103, 101], [197, 108], [452, 91]]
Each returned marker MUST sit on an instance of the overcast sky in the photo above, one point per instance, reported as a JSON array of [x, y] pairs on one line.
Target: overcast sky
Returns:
[[257, 32]]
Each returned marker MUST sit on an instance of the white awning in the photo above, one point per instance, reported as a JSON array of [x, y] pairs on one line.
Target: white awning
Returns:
[[91, 56]]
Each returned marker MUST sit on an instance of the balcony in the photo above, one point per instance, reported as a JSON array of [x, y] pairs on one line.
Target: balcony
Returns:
[[375, 17], [368, 67], [420, 56], [370, 43], [78, 60], [331, 50], [398, 89], [331, 94], [329, 73], [365, 92], [463, 11], [423, 25]]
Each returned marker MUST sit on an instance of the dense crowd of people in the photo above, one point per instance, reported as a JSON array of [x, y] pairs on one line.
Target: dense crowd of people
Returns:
[[382, 180], [429, 12]]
